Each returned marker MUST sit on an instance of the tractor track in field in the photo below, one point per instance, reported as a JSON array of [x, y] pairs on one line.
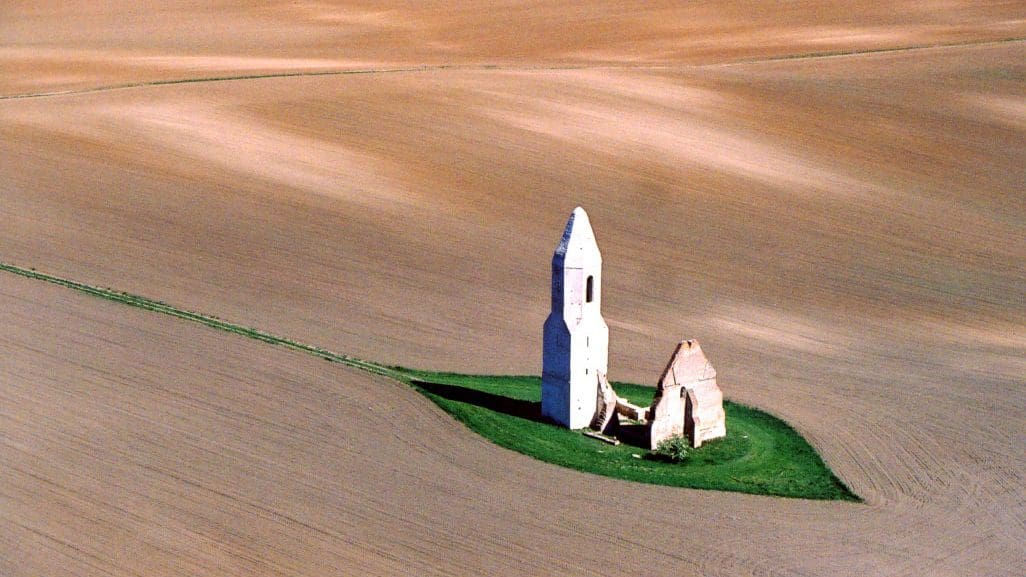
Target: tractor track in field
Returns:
[[505, 68]]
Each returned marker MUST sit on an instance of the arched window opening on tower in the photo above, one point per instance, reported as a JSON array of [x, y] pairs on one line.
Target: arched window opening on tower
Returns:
[[589, 291]]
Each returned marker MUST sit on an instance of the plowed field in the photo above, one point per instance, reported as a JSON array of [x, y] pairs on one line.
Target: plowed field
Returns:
[[845, 234]]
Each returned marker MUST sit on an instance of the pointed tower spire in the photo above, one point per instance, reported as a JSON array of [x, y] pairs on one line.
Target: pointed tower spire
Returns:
[[576, 340]]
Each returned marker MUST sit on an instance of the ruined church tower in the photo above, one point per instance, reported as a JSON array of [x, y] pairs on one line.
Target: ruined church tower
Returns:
[[576, 344]]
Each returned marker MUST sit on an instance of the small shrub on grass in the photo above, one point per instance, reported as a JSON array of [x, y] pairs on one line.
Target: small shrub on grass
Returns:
[[675, 449]]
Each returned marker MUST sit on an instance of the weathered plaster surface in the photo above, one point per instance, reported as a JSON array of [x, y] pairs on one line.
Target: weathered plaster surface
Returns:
[[576, 341]]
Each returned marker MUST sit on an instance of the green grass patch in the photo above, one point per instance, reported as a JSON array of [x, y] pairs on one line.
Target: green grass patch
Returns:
[[761, 454]]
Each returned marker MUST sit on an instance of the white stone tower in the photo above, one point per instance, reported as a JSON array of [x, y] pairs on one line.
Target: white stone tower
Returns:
[[576, 346]]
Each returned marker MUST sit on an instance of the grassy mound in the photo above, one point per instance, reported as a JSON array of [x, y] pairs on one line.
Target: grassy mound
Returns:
[[761, 454]]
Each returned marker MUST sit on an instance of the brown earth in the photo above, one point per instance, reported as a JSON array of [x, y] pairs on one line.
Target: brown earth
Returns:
[[845, 235], [58, 45]]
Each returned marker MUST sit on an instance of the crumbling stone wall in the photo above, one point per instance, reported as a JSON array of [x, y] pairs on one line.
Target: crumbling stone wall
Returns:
[[688, 400]]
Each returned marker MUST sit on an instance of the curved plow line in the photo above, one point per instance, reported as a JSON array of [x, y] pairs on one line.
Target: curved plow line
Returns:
[[210, 321], [220, 79], [485, 67]]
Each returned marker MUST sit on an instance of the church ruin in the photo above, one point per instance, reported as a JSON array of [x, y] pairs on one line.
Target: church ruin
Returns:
[[688, 401], [575, 390]]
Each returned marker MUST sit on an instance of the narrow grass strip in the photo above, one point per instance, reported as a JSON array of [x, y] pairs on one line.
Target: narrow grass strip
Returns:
[[210, 321]]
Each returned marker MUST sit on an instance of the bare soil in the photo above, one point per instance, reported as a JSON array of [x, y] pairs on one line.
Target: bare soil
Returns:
[[846, 236]]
